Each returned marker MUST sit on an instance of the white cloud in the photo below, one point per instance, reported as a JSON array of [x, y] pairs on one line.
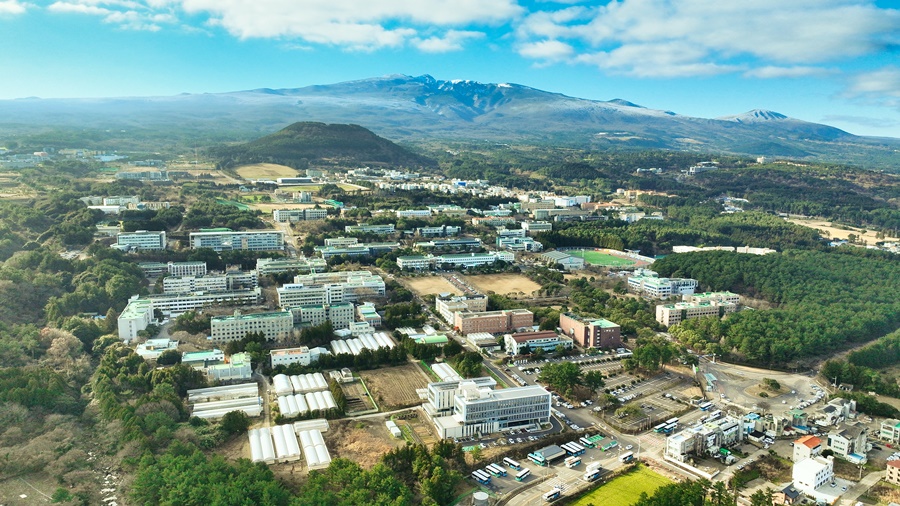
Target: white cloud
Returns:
[[11, 7], [882, 82], [763, 38], [126, 14], [79, 8], [548, 50], [773, 71], [453, 40]]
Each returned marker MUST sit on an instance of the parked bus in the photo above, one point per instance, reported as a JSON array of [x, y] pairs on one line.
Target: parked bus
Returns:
[[537, 458], [705, 406], [715, 415], [480, 477], [586, 442], [496, 470], [660, 427], [671, 421], [626, 457], [572, 462], [524, 473], [512, 463], [552, 495], [669, 428], [591, 475]]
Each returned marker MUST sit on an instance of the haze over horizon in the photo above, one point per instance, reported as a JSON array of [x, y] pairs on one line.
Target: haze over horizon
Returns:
[[824, 61]]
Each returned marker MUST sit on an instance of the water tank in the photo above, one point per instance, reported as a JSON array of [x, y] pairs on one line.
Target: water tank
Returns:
[[480, 499]]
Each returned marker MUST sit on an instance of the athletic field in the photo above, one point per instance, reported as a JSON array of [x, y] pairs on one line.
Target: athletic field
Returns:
[[625, 490], [596, 258]]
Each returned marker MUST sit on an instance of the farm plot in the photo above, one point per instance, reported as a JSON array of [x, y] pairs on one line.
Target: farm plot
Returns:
[[357, 398], [395, 387], [503, 283], [265, 171], [430, 284], [362, 441]]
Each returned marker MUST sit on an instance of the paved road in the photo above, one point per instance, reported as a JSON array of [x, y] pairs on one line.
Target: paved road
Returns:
[[860, 488]]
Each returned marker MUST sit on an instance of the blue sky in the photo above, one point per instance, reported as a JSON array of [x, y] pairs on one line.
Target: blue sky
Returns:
[[827, 61]]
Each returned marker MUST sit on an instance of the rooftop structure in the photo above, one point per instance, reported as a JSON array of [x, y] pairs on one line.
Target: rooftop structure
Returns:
[[274, 326], [568, 262], [301, 355], [670, 314], [136, 316], [266, 266], [153, 348], [448, 305], [649, 283], [142, 240], [522, 343], [494, 322], [591, 332], [225, 239]]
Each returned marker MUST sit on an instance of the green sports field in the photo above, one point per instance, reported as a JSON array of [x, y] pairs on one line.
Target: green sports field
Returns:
[[625, 490], [596, 258]]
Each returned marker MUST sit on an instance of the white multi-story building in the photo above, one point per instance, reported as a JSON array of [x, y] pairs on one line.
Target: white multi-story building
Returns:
[[415, 262], [236, 368], [330, 288], [447, 306], [649, 283], [414, 213], [301, 355], [189, 284], [729, 297], [180, 303], [470, 407], [153, 348], [536, 227], [807, 447], [705, 439], [275, 326], [849, 442], [370, 229], [810, 474], [292, 215], [466, 260], [142, 239], [136, 316], [266, 266], [510, 232], [670, 314], [519, 244], [547, 340], [340, 315], [340, 242], [186, 268], [225, 239], [121, 201], [443, 230]]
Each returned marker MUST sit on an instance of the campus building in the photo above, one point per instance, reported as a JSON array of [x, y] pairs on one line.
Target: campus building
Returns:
[[236, 367], [705, 439], [473, 407], [443, 230], [302, 355], [647, 282], [180, 303], [136, 316], [225, 239], [536, 227], [314, 289], [568, 262], [266, 266], [519, 244], [414, 213], [142, 240], [340, 315], [670, 314], [729, 297], [448, 305], [462, 260], [370, 229], [522, 343], [275, 326], [810, 474], [292, 215], [493, 322], [591, 332], [155, 269]]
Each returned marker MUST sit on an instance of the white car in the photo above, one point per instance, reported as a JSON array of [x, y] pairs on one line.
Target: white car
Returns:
[[629, 447]]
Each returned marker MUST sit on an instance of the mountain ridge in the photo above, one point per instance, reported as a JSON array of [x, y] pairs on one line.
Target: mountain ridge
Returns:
[[422, 108]]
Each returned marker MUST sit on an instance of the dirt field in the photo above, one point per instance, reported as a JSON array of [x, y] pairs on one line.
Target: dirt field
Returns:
[[431, 284], [362, 441], [267, 208], [357, 400], [503, 283], [395, 387], [265, 171], [825, 228]]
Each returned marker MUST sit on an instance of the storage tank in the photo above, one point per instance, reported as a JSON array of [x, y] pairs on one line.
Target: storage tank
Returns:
[[329, 400], [255, 448], [265, 441], [302, 407], [295, 382], [480, 499], [312, 402]]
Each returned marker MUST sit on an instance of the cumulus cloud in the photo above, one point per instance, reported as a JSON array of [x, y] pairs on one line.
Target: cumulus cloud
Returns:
[[774, 71], [126, 14], [879, 87], [763, 38], [548, 50], [11, 7], [453, 40]]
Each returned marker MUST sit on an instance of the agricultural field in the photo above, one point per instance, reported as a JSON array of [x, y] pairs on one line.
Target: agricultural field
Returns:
[[362, 441], [430, 284], [825, 228], [602, 259], [626, 489], [266, 171], [395, 387], [503, 283]]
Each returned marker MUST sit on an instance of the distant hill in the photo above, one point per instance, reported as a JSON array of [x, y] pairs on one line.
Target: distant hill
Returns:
[[300, 143], [405, 108]]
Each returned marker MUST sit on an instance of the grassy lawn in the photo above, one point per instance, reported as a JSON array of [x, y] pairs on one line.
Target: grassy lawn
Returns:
[[597, 258], [625, 490]]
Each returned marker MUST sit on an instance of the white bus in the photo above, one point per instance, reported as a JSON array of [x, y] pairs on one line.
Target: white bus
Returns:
[[496, 470], [591, 475], [715, 415], [626, 457], [512, 463], [524, 473], [572, 462], [552, 495], [670, 421]]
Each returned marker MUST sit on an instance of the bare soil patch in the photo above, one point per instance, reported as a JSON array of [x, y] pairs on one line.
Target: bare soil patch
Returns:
[[825, 228], [362, 441], [503, 283], [265, 171], [395, 387], [430, 284]]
